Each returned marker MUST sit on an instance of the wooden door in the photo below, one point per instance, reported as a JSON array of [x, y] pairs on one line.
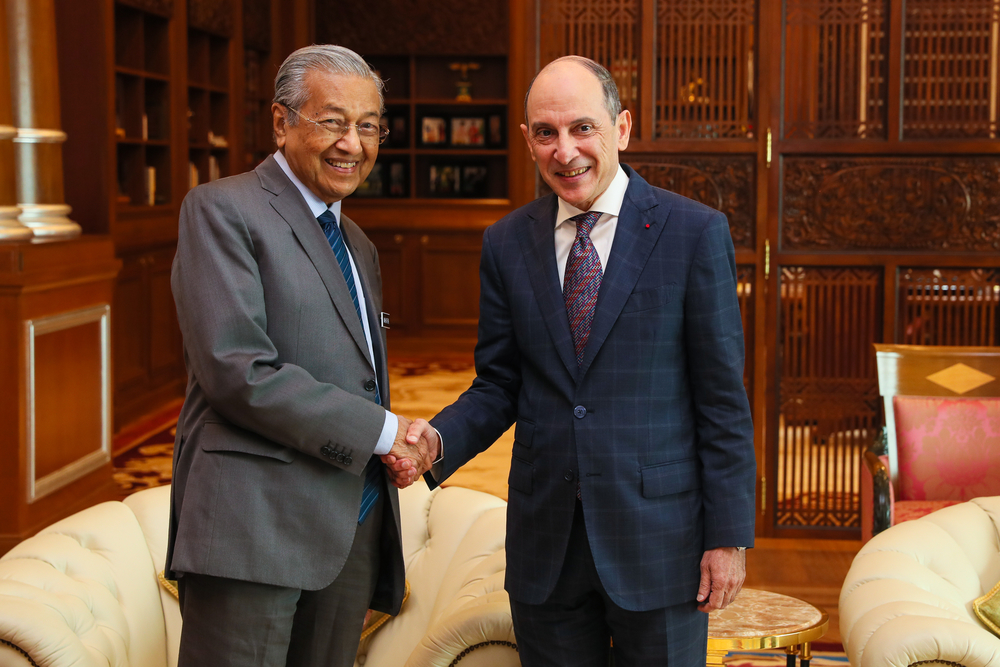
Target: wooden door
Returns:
[[853, 146]]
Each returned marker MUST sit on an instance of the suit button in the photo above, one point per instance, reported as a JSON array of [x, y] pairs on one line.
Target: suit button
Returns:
[[370, 385], [325, 450], [569, 476], [340, 457], [579, 412], [348, 460]]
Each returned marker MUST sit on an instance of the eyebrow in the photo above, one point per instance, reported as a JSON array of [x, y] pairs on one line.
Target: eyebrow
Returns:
[[343, 112], [586, 119]]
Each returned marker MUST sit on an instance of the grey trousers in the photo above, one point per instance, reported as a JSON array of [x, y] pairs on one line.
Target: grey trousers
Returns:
[[246, 624]]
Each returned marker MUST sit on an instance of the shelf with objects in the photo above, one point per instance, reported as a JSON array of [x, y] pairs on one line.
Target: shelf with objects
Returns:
[[142, 108], [208, 107], [447, 120]]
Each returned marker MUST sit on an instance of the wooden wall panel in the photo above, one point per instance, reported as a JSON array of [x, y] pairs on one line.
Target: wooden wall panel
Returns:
[[449, 270], [948, 306], [705, 55], [890, 203], [835, 68], [606, 31], [828, 392], [727, 183], [950, 69]]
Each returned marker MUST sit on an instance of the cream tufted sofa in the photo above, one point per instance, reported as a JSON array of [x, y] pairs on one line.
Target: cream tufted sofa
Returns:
[[84, 591], [907, 599]]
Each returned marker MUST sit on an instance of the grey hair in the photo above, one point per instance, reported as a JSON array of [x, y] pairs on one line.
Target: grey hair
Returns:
[[612, 102], [289, 84]]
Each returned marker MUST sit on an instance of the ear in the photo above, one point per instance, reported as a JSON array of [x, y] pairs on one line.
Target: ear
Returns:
[[279, 123], [531, 149], [624, 128]]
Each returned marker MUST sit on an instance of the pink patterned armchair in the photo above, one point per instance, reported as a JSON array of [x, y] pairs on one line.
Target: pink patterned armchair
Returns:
[[941, 442]]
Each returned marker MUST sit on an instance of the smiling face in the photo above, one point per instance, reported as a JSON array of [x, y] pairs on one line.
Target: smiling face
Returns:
[[331, 168], [571, 135]]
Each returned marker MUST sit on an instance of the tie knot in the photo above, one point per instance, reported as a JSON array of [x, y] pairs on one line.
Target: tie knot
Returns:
[[327, 218], [585, 222]]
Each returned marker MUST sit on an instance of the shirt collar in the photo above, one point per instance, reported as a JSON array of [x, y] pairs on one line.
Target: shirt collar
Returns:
[[609, 202], [315, 204]]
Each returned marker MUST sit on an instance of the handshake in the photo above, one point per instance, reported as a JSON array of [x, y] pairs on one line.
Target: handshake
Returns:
[[416, 448]]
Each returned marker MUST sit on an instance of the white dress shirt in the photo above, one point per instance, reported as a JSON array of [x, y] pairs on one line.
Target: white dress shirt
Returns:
[[603, 233], [318, 207]]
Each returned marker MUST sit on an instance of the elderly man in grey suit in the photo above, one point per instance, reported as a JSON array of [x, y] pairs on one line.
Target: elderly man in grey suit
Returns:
[[610, 332], [283, 531]]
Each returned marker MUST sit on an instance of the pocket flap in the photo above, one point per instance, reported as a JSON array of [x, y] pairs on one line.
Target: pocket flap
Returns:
[[651, 298], [663, 479], [217, 437]]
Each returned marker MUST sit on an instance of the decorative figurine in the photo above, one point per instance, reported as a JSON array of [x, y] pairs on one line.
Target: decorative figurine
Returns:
[[464, 85]]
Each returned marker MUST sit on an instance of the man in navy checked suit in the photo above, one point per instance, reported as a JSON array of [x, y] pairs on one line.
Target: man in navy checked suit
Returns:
[[632, 478]]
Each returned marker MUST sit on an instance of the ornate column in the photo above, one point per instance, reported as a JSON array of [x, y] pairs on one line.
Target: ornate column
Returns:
[[10, 228], [31, 32]]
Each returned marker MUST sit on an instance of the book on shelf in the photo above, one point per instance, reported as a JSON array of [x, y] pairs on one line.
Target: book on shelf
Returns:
[[213, 168], [193, 176], [151, 185]]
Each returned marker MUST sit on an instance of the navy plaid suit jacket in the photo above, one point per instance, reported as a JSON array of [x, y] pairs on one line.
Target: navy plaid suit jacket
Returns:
[[655, 424]]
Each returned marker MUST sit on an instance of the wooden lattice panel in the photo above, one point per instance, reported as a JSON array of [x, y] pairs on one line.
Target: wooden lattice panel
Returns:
[[705, 54], [603, 30], [835, 69], [916, 204], [948, 306], [950, 69], [828, 392]]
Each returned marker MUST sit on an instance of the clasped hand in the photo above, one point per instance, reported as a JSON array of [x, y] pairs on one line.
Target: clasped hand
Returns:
[[413, 452]]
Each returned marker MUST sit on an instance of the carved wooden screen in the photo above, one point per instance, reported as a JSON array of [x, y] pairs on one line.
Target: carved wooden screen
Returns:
[[949, 306], [705, 68], [829, 317], [951, 61], [835, 68], [603, 30]]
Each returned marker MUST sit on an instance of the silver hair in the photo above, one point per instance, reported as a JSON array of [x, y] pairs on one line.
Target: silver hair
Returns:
[[289, 84], [612, 102]]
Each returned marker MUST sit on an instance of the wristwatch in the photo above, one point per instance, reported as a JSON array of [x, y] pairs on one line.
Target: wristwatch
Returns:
[[741, 548]]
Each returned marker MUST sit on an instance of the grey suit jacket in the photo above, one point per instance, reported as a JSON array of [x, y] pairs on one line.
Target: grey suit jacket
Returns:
[[279, 385]]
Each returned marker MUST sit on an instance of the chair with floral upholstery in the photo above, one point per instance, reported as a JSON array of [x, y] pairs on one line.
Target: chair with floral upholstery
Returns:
[[941, 441]]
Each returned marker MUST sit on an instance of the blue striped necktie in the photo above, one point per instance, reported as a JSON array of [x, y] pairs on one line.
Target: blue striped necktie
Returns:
[[328, 221]]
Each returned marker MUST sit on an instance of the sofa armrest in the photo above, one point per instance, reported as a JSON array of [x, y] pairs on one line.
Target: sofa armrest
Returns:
[[83, 593]]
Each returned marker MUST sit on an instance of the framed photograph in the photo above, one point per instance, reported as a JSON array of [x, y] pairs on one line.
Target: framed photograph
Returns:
[[397, 131], [373, 185], [433, 131], [445, 180], [468, 132], [495, 130], [398, 184], [473, 181]]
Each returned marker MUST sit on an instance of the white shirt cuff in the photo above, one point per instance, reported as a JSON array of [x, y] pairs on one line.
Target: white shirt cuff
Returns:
[[389, 429]]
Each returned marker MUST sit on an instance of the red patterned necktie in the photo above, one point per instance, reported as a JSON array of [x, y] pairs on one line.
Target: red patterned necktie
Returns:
[[582, 281]]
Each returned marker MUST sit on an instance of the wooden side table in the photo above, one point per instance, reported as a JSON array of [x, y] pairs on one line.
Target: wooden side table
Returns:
[[763, 620]]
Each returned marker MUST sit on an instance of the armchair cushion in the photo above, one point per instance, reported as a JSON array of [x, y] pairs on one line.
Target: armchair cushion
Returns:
[[987, 608], [948, 448]]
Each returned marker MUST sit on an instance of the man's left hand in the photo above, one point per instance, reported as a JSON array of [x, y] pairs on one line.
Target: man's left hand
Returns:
[[723, 571]]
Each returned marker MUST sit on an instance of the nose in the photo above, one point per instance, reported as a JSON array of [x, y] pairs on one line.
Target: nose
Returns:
[[566, 149], [351, 141]]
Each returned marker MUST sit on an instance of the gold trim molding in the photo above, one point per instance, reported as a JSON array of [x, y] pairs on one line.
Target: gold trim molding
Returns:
[[37, 488], [7, 132], [34, 135]]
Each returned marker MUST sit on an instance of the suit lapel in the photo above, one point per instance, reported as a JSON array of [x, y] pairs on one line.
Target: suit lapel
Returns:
[[365, 270], [631, 249], [538, 244], [289, 204]]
